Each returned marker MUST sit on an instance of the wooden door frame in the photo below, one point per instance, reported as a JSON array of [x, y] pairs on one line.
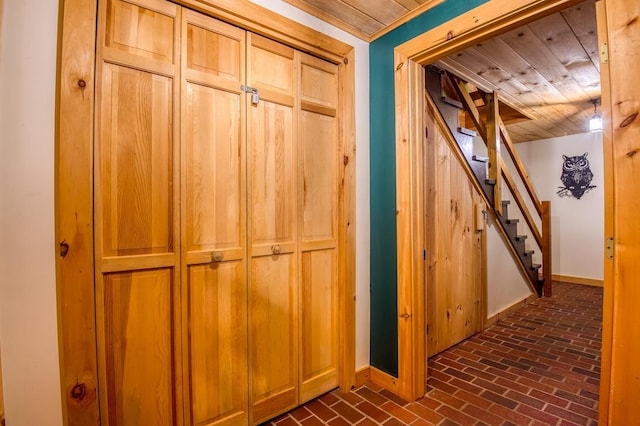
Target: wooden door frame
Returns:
[[481, 23], [75, 96]]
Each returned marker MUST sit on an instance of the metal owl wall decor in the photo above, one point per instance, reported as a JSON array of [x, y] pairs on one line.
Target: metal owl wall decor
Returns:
[[576, 176]]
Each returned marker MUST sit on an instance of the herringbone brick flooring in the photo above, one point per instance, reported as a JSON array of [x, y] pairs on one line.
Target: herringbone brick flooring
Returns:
[[540, 366]]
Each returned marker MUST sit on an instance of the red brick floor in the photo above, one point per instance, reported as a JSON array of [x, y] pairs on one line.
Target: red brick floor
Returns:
[[540, 366]]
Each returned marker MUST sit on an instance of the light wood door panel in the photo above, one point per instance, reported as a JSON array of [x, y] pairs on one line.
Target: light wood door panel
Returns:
[[133, 27], [319, 148], [214, 48], [273, 332], [136, 229], [272, 173], [318, 85], [136, 162], [214, 221], [213, 169], [319, 323], [138, 334], [272, 205], [454, 262], [217, 326], [318, 206], [272, 69]]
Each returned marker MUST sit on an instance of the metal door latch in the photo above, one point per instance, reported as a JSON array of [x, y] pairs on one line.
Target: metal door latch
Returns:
[[255, 95]]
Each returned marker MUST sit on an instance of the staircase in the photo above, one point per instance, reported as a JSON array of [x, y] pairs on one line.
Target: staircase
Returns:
[[518, 243], [451, 99]]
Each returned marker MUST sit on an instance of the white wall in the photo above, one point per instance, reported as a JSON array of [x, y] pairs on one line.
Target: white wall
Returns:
[[506, 283], [362, 164], [28, 332], [577, 225]]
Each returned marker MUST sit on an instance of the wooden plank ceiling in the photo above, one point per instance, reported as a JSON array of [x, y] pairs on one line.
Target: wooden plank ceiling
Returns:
[[366, 19], [547, 70]]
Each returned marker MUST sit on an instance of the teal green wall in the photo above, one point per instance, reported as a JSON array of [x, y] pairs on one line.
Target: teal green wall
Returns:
[[384, 315]]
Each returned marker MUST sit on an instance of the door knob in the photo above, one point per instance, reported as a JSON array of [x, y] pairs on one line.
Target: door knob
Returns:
[[276, 249], [217, 256]]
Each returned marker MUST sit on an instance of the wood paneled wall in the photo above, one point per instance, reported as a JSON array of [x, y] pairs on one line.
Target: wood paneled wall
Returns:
[[456, 259]]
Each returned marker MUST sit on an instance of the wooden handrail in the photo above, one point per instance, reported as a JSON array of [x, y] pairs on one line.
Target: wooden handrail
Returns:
[[521, 204], [520, 167]]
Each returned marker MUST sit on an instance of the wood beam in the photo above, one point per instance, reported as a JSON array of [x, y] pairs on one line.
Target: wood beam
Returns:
[[547, 267]]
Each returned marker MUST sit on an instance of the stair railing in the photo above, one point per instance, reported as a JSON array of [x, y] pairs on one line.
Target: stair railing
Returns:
[[494, 134]]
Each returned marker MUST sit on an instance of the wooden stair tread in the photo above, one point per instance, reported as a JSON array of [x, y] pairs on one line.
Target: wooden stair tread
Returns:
[[480, 158], [521, 237], [452, 102], [468, 132]]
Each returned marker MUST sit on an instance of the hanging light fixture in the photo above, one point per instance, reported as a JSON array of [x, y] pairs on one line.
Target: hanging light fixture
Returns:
[[595, 123]]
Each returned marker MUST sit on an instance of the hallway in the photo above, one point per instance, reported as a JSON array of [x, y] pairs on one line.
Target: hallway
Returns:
[[540, 366]]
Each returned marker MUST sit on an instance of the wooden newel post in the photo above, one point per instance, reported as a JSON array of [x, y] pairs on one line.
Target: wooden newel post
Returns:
[[546, 247], [493, 146]]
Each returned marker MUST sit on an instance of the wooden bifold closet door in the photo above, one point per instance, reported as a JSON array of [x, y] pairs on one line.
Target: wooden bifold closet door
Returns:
[[216, 220]]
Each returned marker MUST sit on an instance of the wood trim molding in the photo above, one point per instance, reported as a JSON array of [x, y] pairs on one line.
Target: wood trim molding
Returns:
[[578, 280], [347, 229], [363, 375], [509, 310], [429, 4], [74, 211], [483, 22], [411, 242], [609, 201], [75, 92], [254, 18], [384, 380]]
